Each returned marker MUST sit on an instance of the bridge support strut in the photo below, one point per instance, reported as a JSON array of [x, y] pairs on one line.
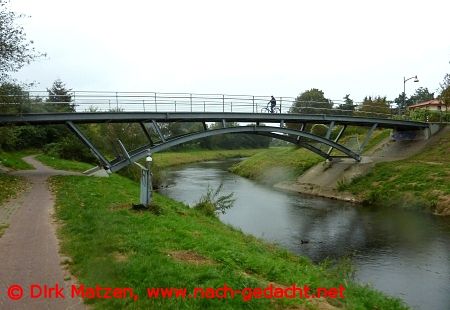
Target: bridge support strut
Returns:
[[105, 163]]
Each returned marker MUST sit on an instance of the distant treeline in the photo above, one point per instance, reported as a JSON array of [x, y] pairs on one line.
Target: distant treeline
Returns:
[[57, 140]]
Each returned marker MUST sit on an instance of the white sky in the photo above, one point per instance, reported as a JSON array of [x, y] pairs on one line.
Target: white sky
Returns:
[[239, 47]]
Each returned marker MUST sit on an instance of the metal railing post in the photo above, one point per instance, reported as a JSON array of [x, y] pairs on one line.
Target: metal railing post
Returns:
[[190, 99], [253, 104], [281, 101], [223, 103], [117, 103]]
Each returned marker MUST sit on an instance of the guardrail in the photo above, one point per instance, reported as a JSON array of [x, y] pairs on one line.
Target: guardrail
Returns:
[[106, 101]]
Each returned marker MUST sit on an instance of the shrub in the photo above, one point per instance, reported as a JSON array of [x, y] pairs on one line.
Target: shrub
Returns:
[[319, 130], [213, 203]]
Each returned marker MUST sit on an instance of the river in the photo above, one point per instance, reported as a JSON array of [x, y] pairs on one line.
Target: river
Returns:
[[402, 253]]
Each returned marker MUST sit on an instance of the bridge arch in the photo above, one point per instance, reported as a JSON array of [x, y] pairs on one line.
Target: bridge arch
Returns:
[[274, 132]]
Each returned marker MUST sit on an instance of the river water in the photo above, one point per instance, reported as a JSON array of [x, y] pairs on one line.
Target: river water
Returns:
[[404, 254]]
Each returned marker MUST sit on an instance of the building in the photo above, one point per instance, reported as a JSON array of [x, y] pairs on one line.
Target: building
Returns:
[[432, 105]]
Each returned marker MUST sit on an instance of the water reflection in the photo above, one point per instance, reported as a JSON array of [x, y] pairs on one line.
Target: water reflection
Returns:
[[402, 253]]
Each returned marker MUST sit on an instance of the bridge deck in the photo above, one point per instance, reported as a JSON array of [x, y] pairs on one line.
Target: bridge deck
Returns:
[[165, 117]]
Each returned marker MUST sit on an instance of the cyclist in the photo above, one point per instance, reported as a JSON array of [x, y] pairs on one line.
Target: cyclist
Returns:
[[273, 103]]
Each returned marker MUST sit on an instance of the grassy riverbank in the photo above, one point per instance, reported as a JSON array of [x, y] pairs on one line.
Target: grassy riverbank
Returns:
[[166, 159], [276, 164], [288, 163], [113, 246], [160, 160], [420, 182]]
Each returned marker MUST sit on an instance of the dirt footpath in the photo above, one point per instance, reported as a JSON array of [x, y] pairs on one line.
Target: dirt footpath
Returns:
[[29, 248]]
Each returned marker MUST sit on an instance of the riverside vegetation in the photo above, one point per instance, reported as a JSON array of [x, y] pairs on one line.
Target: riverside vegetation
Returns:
[[419, 182], [274, 165], [114, 246]]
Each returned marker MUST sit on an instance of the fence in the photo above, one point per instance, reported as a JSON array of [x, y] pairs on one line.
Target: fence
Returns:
[[106, 101]]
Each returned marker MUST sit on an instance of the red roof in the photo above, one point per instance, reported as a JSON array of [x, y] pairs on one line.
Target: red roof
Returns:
[[433, 102]]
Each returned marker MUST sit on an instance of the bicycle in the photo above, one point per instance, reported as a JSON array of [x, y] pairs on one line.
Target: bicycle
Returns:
[[268, 110]]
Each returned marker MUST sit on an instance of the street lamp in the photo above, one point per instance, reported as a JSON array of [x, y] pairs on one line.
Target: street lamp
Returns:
[[404, 88]]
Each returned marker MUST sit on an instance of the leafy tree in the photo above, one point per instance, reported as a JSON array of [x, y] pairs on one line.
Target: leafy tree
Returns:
[[234, 141], [60, 97], [402, 101], [445, 91], [15, 49], [11, 97], [373, 106], [347, 106], [421, 94], [311, 101]]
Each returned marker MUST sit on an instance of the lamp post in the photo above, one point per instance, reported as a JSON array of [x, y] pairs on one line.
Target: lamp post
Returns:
[[404, 88]]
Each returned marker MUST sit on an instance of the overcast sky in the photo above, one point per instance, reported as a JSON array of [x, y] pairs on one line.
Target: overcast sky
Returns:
[[239, 47]]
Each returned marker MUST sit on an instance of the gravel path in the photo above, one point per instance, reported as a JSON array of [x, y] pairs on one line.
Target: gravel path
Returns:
[[29, 247]]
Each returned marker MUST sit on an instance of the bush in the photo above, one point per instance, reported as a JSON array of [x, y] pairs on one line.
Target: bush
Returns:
[[319, 130], [212, 203], [429, 116], [70, 148]]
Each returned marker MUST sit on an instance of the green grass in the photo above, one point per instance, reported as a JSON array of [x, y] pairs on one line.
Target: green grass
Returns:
[[160, 160], [10, 186], [350, 141], [166, 159], [377, 137], [276, 164], [287, 163], [113, 246], [421, 181], [14, 160], [63, 164]]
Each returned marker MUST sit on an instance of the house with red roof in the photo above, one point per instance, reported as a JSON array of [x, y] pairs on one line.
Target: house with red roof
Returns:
[[432, 105]]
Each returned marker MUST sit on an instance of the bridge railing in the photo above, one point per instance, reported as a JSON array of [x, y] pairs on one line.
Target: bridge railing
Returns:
[[107, 101]]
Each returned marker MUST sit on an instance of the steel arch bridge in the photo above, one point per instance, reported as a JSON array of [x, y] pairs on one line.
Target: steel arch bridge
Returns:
[[150, 122]]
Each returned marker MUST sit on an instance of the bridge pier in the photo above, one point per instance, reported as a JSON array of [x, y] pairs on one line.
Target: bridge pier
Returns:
[[416, 134]]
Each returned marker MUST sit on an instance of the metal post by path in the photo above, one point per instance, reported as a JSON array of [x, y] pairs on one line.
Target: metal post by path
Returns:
[[146, 183], [223, 103], [253, 104]]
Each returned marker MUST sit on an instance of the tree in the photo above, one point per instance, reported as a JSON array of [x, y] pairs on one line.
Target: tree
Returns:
[[402, 101], [347, 107], [375, 106], [421, 94], [445, 91], [15, 49], [311, 101], [60, 96]]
